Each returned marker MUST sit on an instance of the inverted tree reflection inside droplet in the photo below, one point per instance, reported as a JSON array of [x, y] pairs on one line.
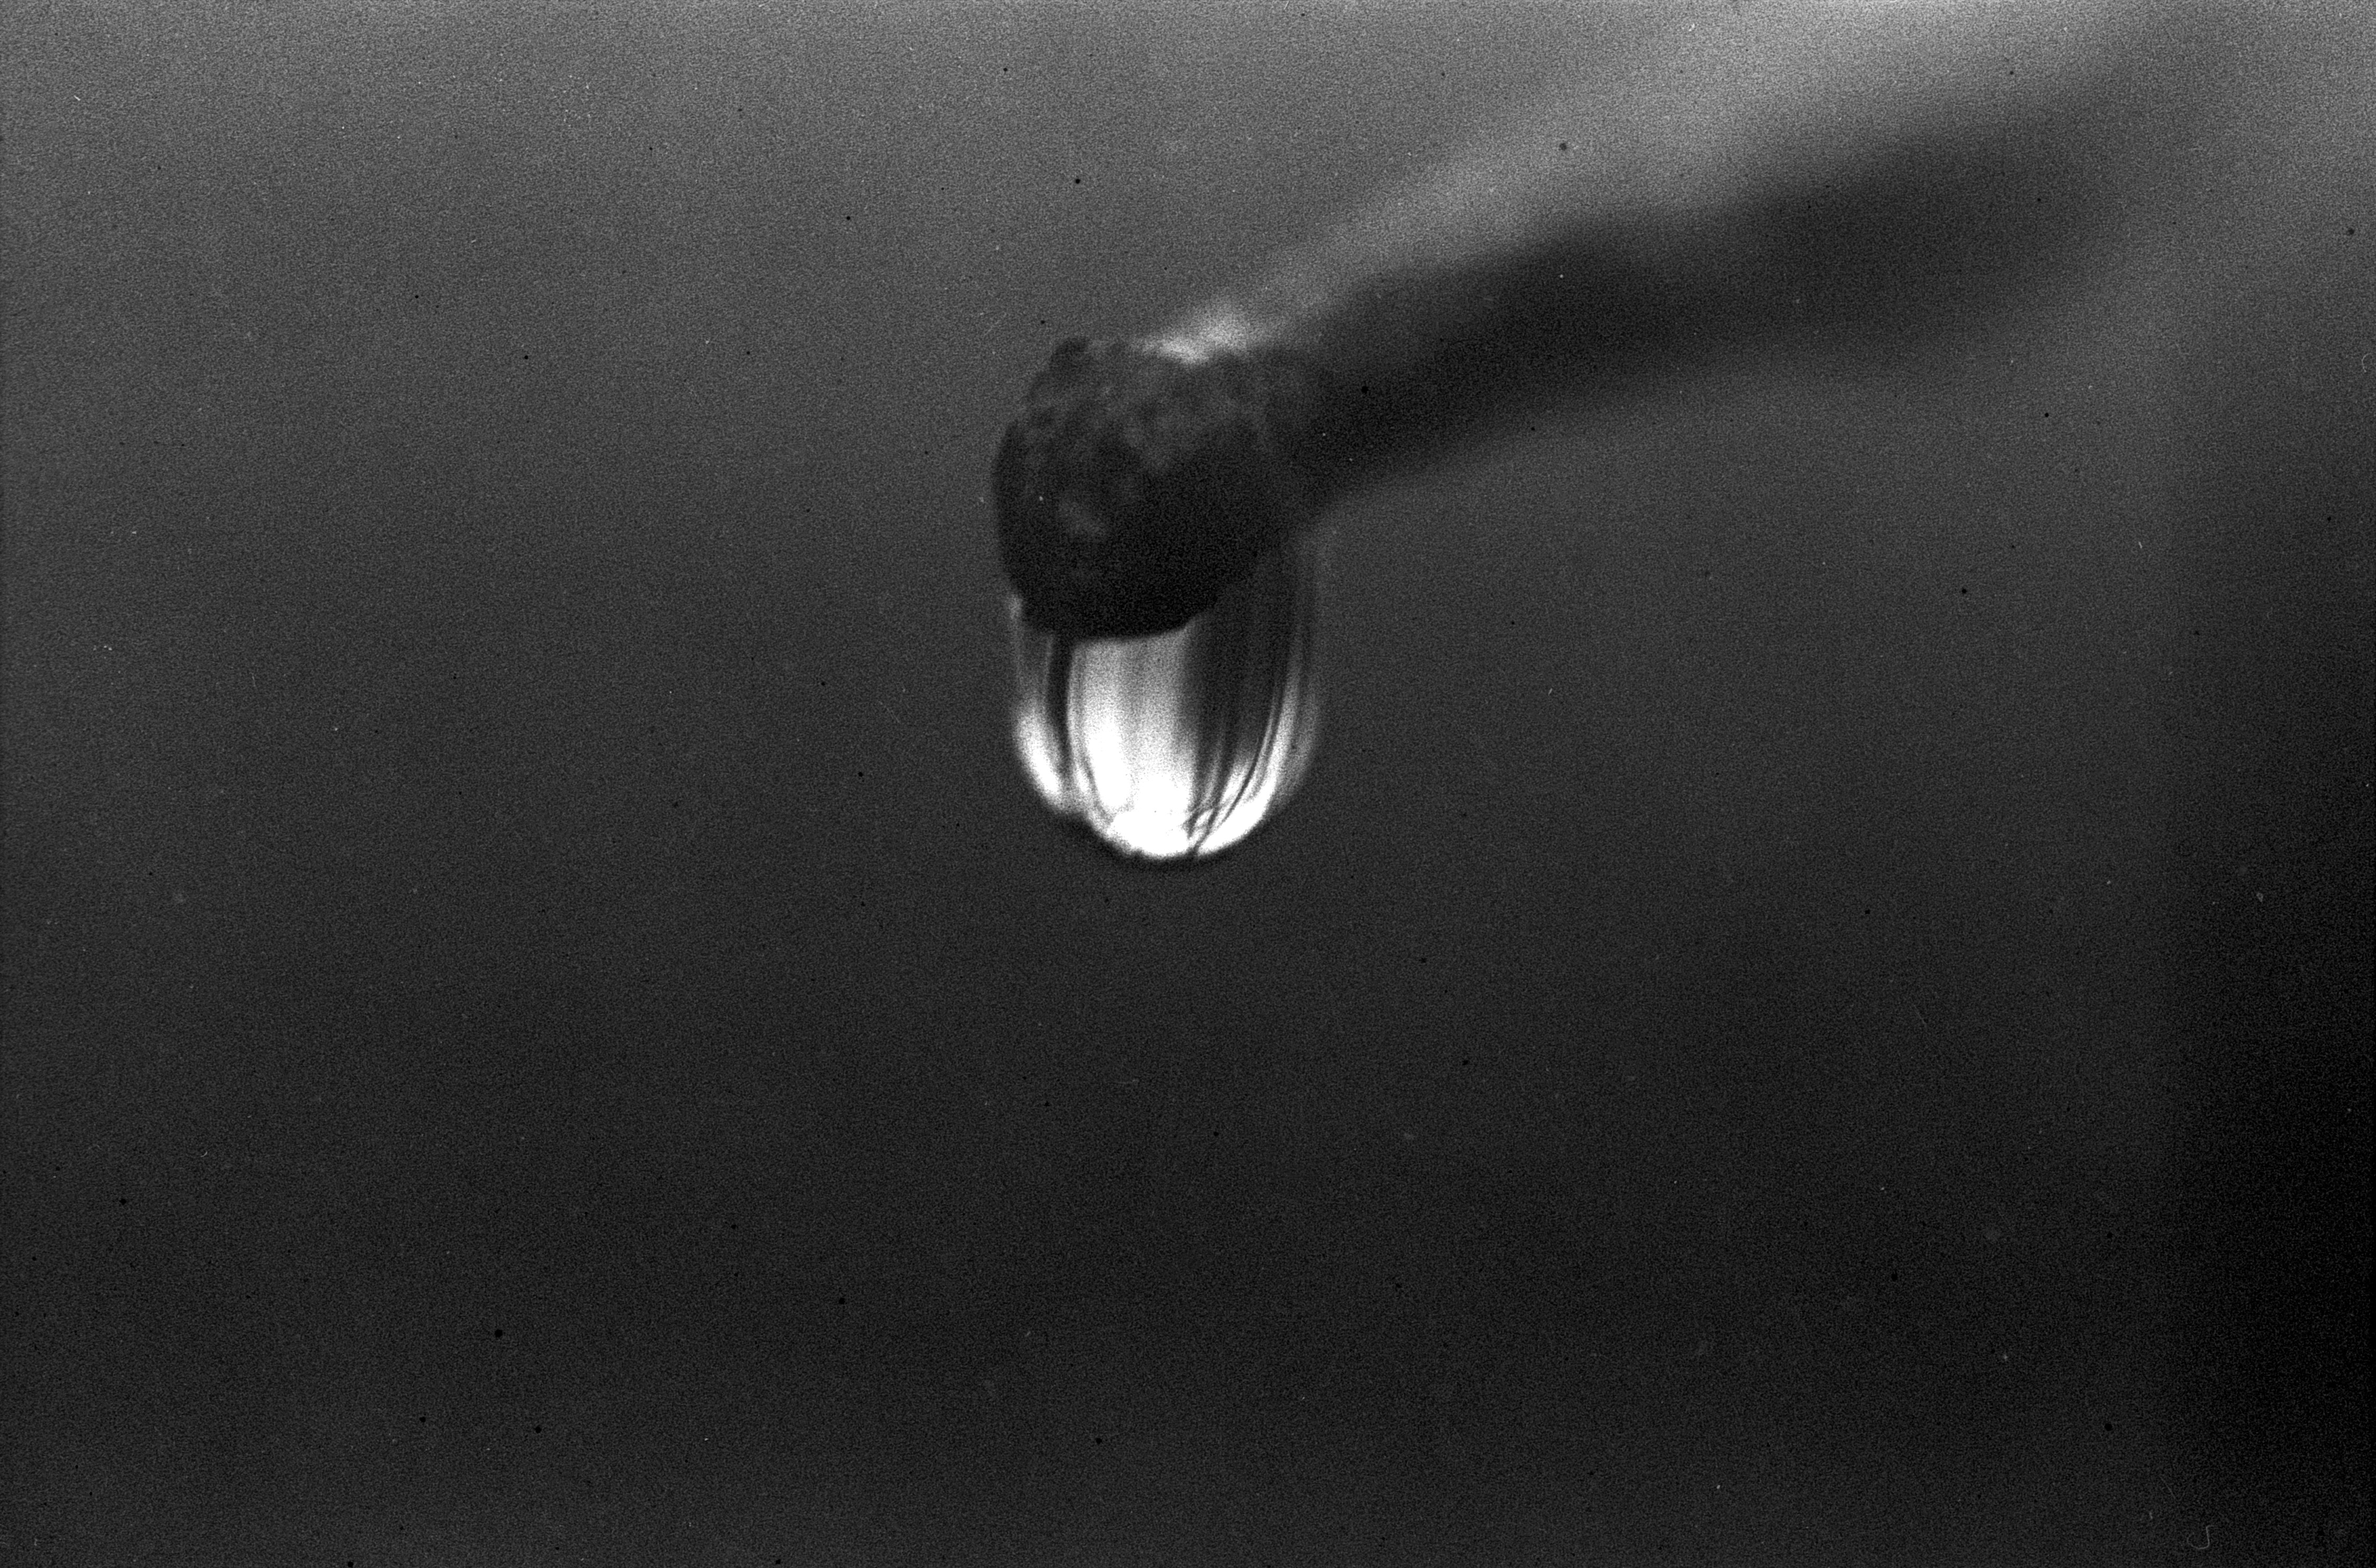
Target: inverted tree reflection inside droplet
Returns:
[[1176, 746]]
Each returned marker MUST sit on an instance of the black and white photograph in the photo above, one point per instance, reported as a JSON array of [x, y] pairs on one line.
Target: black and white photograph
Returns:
[[1187, 783]]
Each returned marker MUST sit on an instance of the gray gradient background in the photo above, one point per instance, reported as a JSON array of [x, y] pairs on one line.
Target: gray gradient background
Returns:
[[1814, 1009]]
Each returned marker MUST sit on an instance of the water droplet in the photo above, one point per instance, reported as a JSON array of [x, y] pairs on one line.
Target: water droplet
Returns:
[[1175, 747]]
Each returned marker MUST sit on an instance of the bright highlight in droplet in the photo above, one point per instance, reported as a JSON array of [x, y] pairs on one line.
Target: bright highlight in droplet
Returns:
[[1177, 746]]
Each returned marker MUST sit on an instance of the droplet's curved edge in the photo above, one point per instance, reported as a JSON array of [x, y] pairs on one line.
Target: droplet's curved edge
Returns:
[[1083, 831], [1176, 749], [1276, 777], [1250, 819]]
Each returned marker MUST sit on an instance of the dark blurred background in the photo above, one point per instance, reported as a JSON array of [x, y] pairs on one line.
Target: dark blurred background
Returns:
[[1815, 1008]]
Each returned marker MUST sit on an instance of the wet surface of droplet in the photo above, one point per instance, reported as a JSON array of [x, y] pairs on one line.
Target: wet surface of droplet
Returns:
[[1175, 747]]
